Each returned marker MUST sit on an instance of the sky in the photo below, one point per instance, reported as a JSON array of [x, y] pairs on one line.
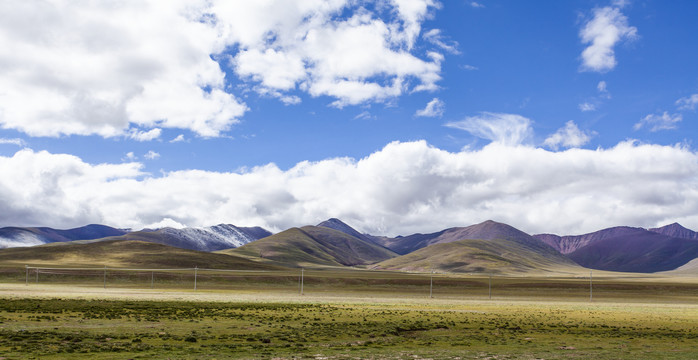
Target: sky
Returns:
[[396, 116]]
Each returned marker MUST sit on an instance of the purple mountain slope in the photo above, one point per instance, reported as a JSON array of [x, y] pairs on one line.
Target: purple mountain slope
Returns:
[[488, 230], [637, 252], [677, 231], [571, 243]]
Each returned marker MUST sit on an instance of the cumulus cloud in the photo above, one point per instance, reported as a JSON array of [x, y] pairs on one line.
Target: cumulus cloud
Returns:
[[508, 129], [687, 103], [106, 67], [313, 47], [569, 136], [657, 122], [405, 187], [602, 32], [434, 108], [99, 66]]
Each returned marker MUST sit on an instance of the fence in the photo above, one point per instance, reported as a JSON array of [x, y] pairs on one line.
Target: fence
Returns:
[[355, 282]]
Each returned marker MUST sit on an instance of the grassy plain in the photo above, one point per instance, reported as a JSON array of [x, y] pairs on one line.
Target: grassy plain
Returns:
[[347, 314]]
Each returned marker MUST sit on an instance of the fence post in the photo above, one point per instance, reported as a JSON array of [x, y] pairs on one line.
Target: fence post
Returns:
[[196, 270], [152, 278], [37, 275], [105, 276]]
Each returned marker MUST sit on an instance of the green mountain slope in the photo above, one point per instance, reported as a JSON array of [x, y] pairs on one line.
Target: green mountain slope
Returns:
[[124, 253], [496, 256], [313, 245]]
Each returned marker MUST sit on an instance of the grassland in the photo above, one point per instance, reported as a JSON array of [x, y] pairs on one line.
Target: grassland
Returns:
[[348, 314]]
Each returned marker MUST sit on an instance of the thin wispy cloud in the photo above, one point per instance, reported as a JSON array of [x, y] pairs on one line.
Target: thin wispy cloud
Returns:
[[151, 155], [657, 122], [688, 103], [435, 37], [178, 138], [14, 141], [507, 129], [149, 135], [434, 108], [587, 107]]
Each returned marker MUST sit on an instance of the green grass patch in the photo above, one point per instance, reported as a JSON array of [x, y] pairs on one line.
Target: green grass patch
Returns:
[[60, 328]]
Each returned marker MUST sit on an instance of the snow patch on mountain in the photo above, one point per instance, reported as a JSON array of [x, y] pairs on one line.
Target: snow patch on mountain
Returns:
[[212, 238], [21, 239]]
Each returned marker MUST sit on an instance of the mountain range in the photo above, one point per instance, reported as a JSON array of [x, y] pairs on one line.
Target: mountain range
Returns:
[[629, 249], [210, 238], [489, 247]]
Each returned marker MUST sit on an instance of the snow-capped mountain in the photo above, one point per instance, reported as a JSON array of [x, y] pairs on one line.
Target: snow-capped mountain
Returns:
[[31, 236], [212, 238]]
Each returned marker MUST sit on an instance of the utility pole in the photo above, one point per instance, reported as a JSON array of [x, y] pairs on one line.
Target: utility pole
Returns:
[[301, 281], [26, 267], [591, 286], [196, 270], [152, 278], [431, 284], [490, 288], [105, 276], [37, 275]]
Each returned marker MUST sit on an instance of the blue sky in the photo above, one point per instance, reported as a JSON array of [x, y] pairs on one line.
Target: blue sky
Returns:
[[150, 98]]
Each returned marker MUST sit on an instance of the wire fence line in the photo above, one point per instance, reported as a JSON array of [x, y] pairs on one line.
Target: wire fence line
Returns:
[[389, 283]]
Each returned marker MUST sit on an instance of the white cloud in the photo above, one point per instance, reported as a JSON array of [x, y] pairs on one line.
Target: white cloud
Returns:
[[400, 189], [508, 129], [151, 155], [569, 136], [307, 46], [476, 4], [15, 141], [587, 107], [435, 37], [149, 135], [106, 67], [290, 100], [435, 108], [687, 103], [659, 122], [603, 90], [364, 115], [608, 27], [179, 138], [99, 66], [602, 86], [470, 67]]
